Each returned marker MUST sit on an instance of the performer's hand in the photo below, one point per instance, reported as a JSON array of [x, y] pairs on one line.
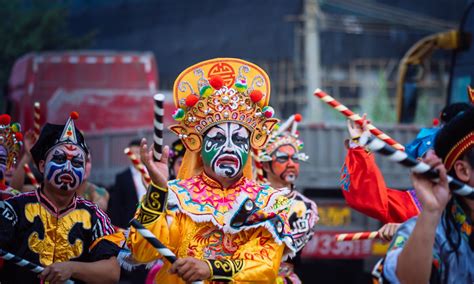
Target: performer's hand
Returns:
[[388, 231], [355, 130], [158, 171], [433, 195], [191, 269], [58, 272]]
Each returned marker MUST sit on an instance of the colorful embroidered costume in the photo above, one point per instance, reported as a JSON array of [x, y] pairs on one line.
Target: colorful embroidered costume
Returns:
[[365, 190], [303, 217], [10, 147], [453, 244], [303, 214], [32, 228], [450, 264], [240, 231], [363, 185]]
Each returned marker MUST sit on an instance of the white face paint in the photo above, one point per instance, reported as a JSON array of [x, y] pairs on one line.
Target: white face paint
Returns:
[[65, 167], [225, 149]]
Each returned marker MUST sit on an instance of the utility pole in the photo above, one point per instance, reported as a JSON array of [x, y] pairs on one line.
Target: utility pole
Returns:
[[312, 62]]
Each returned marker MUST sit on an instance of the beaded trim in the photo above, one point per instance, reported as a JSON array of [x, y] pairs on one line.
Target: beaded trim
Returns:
[[457, 150]]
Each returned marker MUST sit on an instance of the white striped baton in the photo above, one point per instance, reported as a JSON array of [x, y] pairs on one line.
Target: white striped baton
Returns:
[[31, 176], [138, 165], [158, 127], [379, 146], [36, 118], [356, 118], [160, 247], [23, 263], [148, 235], [357, 236]]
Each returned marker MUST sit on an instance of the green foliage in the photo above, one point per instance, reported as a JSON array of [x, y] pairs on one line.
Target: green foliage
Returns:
[[381, 110], [35, 27], [423, 114]]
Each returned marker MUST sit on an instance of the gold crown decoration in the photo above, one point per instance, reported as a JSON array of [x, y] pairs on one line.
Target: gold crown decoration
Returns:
[[224, 94], [283, 135], [10, 138]]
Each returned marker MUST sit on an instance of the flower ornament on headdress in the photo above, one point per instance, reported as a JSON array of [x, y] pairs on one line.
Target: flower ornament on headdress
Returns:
[[284, 134], [222, 90], [10, 138]]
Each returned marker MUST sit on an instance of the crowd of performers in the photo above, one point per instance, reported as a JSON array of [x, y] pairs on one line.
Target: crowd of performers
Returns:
[[220, 205]]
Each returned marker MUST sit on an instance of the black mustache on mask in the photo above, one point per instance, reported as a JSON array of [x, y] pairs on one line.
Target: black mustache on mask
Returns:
[[72, 184]]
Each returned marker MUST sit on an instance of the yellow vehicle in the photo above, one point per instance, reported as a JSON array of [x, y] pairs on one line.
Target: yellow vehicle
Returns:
[[459, 42]]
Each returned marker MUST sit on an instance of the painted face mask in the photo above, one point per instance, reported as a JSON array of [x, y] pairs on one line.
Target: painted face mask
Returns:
[[225, 149], [65, 167], [3, 162], [285, 163]]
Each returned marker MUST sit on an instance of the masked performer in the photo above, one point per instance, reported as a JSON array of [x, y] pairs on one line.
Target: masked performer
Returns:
[[362, 182], [10, 148], [226, 227], [52, 226], [176, 158], [280, 159], [437, 246]]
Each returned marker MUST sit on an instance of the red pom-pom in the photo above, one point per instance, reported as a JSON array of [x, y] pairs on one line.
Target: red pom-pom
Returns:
[[216, 82], [191, 100], [74, 115], [435, 122], [19, 136], [256, 96], [298, 117], [5, 119]]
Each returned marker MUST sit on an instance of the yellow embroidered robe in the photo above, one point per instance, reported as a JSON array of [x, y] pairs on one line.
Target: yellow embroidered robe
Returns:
[[197, 224]]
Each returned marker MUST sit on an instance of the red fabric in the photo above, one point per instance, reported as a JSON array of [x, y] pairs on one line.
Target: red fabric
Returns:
[[367, 193]]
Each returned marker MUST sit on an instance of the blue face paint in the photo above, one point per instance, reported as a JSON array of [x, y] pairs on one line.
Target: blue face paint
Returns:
[[65, 167]]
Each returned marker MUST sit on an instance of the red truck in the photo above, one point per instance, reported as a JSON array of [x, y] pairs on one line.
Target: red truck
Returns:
[[112, 91]]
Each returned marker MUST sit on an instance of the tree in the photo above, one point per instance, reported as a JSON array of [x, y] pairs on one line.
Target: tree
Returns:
[[35, 27]]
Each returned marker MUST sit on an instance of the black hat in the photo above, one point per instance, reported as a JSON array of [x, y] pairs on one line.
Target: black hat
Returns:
[[450, 111], [54, 134], [456, 137]]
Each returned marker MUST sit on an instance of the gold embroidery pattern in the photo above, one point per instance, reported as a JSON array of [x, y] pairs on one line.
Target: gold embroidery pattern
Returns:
[[146, 216], [153, 205], [55, 245], [225, 269]]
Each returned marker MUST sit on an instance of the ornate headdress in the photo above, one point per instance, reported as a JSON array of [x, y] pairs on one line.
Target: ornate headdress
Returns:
[[222, 90], [285, 134], [455, 138], [10, 138]]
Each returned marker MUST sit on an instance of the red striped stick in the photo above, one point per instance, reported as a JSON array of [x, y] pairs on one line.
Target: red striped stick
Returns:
[[258, 167], [138, 165], [357, 119], [36, 119], [31, 176], [357, 236]]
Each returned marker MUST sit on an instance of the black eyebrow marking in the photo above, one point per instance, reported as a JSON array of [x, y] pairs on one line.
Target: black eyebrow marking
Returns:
[[218, 126]]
